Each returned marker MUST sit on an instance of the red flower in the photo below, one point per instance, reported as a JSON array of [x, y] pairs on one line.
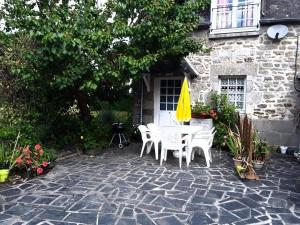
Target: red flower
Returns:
[[19, 160], [39, 170], [45, 164], [41, 152], [28, 162], [37, 147]]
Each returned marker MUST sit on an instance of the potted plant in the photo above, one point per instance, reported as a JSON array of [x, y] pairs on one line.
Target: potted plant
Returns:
[[202, 111], [235, 145], [7, 160], [261, 149]]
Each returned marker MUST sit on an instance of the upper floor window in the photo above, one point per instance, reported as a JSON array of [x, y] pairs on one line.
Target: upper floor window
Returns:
[[234, 15]]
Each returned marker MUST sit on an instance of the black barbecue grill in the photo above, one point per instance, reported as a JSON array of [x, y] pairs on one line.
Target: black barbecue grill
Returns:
[[118, 132]]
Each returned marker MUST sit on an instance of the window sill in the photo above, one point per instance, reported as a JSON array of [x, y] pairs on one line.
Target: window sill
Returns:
[[232, 35]]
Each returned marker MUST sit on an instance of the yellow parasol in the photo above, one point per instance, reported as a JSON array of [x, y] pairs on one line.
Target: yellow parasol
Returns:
[[183, 111]]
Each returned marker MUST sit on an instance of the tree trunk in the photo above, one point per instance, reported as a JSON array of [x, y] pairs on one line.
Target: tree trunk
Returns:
[[82, 101]]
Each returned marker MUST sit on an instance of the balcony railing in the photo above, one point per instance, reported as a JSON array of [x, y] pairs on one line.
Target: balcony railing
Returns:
[[235, 18]]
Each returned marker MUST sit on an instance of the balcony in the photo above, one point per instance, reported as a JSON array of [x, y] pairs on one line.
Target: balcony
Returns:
[[233, 18]]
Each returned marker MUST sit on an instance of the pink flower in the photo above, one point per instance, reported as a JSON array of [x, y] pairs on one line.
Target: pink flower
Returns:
[[39, 170], [41, 152], [28, 162], [45, 164], [19, 160], [37, 147]]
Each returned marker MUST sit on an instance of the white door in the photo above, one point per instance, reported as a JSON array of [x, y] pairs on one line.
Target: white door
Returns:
[[167, 93]]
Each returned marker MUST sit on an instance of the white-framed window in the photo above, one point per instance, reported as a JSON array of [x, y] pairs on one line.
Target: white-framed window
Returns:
[[234, 16], [235, 89]]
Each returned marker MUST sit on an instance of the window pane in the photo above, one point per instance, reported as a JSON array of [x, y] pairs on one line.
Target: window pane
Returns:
[[232, 81], [170, 91], [177, 83], [175, 106], [162, 98], [170, 107], [239, 98], [170, 99], [163, 83], [162, 106], [177, 91], [170, 83], [224, 81], [176, 98], [163, 91], [231, 98], [239, 105]]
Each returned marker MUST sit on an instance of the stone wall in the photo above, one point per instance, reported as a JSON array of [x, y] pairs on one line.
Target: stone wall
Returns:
[[268, 66]]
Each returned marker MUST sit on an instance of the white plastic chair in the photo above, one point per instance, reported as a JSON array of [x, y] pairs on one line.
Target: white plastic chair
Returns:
[[172, 140], [146, 138], [155, 134], [203, 142]]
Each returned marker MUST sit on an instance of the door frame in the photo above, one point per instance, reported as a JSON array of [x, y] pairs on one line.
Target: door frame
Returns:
[[156, 95]]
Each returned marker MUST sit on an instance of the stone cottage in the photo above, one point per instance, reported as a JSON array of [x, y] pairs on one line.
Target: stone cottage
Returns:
[[259, 73]]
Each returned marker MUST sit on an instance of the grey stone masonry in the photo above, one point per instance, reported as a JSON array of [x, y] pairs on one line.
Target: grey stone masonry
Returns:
[[268, 66], [118, 187]]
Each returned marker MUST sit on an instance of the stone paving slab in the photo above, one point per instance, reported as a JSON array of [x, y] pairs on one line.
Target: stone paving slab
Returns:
[[120, 188]]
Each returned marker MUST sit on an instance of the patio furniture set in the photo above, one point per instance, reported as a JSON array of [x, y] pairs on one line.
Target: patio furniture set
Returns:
[[183, 140]]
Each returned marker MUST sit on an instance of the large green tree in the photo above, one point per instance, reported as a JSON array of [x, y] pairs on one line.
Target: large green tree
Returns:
[[74, 50]]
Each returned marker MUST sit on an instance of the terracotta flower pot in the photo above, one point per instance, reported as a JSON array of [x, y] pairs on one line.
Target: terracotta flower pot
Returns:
[[4, 175]]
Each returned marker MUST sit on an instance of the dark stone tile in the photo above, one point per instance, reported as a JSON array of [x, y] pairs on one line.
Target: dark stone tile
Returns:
[[27, 199], [107, 219], [148, 187], [44, 201], [242, 213], [233, 205], [277, 222], [248, 221], [4, 216], [223, 217], [170, 220], [10, 192], [277, 203], [143, 219], [53, 215], [203, 200], [127, 212], [126, 221], [18, 210], [87, 218], [199, 218], [290, 219], [215, 194], [169, 202]]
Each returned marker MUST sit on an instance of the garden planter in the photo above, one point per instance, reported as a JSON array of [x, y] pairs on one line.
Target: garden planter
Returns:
[[283, 149], [237, 162], [4, 175], [258, 164]]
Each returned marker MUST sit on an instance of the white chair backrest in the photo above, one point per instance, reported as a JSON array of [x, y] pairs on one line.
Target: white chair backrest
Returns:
[[154, 130], [144, 132]]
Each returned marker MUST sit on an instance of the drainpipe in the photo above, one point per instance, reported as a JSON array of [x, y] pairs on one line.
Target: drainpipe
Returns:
[[142, 102]]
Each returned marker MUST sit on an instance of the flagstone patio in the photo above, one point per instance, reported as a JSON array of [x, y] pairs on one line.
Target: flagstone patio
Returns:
[[118, 187]]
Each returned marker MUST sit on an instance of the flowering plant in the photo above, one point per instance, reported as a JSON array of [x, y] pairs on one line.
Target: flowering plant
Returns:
[[35, 159], [201, 111]]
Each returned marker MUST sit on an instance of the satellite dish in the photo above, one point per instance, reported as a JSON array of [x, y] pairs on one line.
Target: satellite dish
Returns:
[[277, 31]]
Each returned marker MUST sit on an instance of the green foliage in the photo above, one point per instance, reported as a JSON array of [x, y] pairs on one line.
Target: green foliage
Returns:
[[260, 147], [55, 57], [199, 107], [5, 156], [234, 143], [226, 115]]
